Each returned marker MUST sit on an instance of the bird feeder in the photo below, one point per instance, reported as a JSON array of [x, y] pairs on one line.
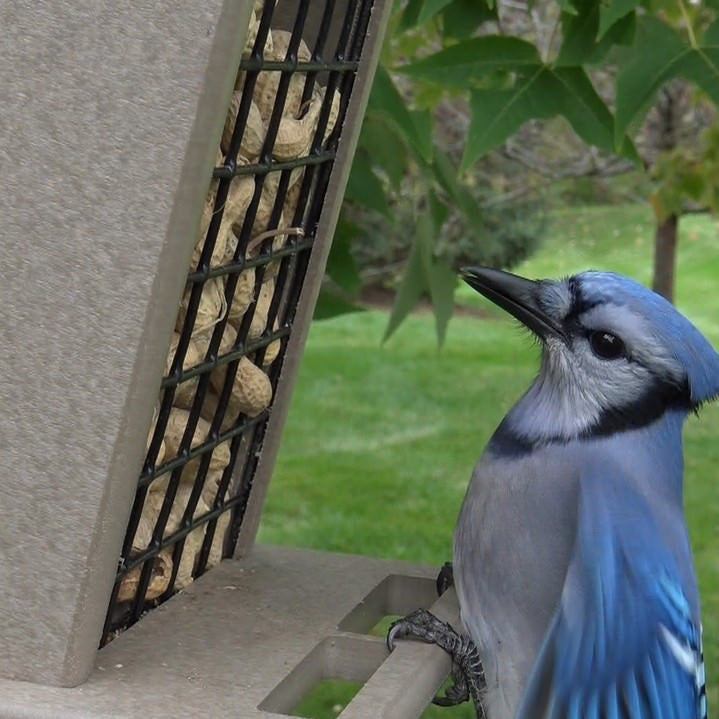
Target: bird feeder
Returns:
[[177, 174]]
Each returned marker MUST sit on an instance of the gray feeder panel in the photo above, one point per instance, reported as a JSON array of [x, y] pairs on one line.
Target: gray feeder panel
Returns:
[[111, 118]]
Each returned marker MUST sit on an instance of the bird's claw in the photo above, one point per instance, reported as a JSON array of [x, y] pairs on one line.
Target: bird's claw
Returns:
[[467, 671], [423, 625], [456, 693], [445, 578]]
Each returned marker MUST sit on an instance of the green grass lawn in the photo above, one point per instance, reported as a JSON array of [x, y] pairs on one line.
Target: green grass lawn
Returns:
[[381, 440]]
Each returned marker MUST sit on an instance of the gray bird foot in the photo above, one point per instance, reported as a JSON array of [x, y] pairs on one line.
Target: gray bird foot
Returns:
[[467, 670]]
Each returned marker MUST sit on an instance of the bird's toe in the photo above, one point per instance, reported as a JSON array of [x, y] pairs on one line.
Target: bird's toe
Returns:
[[467, 673]]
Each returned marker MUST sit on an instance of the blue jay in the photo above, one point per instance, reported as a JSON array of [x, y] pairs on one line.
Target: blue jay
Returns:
[[572, 561]]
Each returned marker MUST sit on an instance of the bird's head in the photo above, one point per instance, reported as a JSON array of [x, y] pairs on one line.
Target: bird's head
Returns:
[[615, 355]]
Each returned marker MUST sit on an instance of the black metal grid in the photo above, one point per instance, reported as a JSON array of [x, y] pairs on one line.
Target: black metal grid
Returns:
[[335, 42]]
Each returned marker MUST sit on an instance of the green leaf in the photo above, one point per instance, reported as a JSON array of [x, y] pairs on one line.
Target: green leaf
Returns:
[[498, 114], [422, 121], [409, 292], [419, 12], [364, 187], [622, 32], [588, 114], [430, 8], [387, 147], [711, 34], [461, 65], [693, 184], [445, 174], [438, 211], [410, 16], [543, 93], [341, 265], [659, 55], [578, 33], [581, 45], [567, 6], [441, 279], [646, 68], [386, 100], [611, 11], [584, 109], [330, 303], [463, 17], [442, 286], [425, 274]]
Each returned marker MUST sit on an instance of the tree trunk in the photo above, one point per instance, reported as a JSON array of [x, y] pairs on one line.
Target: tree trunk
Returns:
[[665, 256]]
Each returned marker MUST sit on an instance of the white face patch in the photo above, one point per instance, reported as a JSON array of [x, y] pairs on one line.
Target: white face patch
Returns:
[[576, 388], [573, 390]]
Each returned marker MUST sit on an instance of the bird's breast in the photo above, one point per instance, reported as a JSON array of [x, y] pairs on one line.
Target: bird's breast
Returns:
[[511, 551]]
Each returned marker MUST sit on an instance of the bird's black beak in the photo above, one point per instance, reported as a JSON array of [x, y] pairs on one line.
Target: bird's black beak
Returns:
[[516, 295]]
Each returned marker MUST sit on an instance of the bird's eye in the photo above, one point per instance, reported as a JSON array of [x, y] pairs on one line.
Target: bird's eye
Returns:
[[606, 345]]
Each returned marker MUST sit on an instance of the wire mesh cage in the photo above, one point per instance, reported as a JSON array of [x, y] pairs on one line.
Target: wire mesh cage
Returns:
[[256, 237]]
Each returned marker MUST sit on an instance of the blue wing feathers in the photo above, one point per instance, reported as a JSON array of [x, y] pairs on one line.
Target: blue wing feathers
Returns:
[[612, 706], [624, 643], [632, 703]]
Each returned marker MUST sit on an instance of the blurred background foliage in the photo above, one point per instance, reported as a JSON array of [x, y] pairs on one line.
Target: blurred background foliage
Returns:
[[484, 116]]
